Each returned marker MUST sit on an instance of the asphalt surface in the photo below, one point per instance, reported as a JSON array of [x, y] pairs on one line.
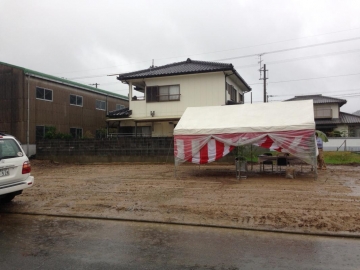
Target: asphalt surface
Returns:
[[43, 242]]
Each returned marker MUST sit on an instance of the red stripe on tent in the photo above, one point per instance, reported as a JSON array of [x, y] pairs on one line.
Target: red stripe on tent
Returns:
[[267, 143], [188, 150], [219, 150], [204, 158]]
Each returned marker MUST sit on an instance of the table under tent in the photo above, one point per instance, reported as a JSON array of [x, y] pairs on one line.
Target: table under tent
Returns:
[[206, 134]]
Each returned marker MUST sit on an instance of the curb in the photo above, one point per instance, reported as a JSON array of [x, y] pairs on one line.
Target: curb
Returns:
[[324, 234]]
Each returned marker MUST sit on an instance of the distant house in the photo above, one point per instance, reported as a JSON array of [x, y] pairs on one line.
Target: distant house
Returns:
[[330, 119], [161, 94], [32, 103]]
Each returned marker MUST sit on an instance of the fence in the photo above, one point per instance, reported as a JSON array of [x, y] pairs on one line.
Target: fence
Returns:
[[126, 149], [351, 144]]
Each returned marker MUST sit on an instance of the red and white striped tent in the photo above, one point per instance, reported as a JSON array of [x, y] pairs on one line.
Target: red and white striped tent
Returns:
[[206, 134]]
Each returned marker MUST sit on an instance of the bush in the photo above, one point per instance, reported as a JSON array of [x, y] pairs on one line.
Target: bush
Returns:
[[51, 134]]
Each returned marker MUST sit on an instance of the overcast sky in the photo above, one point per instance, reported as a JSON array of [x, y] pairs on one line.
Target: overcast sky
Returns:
[[308, 46]]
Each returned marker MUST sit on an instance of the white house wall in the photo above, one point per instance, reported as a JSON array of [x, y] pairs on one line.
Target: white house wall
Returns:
[[195, 90]]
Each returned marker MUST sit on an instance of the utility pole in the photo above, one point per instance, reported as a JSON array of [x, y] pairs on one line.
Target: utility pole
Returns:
[[263, 78], [96, 84], [265, 84]]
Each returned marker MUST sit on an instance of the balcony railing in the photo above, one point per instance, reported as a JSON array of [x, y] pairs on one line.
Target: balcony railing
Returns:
[[323, 113]]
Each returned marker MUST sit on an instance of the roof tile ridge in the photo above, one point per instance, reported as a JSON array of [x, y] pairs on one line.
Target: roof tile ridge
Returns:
[[350, 114], [316, 95], [211, 63], [151, 68]]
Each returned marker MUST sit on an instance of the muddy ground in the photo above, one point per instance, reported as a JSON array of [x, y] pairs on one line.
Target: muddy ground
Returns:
[[208, 195]]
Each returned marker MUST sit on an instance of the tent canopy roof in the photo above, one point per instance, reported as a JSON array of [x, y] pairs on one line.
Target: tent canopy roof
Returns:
[[262, 117]]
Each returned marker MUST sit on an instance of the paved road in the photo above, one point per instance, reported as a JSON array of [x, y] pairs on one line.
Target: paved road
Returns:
[[40, 242]]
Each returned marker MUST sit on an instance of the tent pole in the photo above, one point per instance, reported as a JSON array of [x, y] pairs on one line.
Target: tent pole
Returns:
[[315, 159], [251, 154]]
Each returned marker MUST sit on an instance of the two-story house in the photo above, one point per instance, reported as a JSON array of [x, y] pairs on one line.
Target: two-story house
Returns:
[[160, 95], [329, 118], [32, 102]]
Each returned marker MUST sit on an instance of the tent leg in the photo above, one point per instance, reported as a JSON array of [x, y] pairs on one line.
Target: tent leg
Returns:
[[315, 161], [251, 153]]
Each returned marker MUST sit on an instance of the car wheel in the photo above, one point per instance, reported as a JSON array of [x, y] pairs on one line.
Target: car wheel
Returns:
[[8, 198]]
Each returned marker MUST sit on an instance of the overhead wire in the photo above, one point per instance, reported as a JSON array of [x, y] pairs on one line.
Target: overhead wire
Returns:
[[301, 58], [290, 49], [226, 50], [307, 79], [343, 90], [252, 65]]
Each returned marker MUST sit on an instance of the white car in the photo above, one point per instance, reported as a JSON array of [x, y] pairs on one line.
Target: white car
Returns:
[[15, 168]]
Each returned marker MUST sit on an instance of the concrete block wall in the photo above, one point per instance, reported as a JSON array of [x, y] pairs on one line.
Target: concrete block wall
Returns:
[[126, 149]]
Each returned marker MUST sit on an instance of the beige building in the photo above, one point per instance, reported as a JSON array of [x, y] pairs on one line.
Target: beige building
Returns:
[[32, 103], [329, 118], [161, 94]]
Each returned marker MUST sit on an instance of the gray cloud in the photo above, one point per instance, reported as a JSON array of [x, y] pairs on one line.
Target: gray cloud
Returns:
[[78, 39]]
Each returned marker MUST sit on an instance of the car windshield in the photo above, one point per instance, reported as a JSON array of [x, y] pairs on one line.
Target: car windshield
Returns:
[[9, 149]]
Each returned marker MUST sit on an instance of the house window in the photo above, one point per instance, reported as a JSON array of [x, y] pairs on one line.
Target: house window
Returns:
[[100, 105], [169, 93], [323, 113], [76, 132], [163, 93], [76, 100], [232, 92], [45, 94], [152, 94], [41, 131], [119, 107], [241, 98]]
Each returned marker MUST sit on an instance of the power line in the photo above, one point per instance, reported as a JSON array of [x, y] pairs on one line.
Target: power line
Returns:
[[291, 49], [253, 65], [301, 58], [226, 50], [87, 77], [262, 44], [307, 79], [312, 56], [342, 93]]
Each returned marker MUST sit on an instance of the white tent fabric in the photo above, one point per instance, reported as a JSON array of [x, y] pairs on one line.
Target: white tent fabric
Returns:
[[205, 134]]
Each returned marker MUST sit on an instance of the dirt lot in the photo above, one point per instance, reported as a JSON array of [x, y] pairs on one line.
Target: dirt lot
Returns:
[[209, 195]]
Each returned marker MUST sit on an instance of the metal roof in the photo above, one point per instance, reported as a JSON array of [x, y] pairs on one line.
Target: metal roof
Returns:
[[65, 81], [320, 99], [181, 68], [344, 118], [121, 113]]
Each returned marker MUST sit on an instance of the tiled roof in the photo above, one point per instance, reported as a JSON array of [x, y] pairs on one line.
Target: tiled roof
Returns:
[[64, 81], [122, 113], [320, 99], [180, 68], [345, 118]]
